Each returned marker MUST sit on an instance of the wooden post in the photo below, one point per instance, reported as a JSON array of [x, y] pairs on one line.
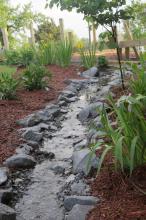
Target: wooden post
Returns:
[[32, 35], [126, 26], [70, 37], [61, 29], [127, 53], [89, 30], [5, 38], [94, 34]]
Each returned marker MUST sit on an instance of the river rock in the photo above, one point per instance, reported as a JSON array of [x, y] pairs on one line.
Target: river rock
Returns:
[[92, 72], [89, 112], [83, 161], [30, 135], [52, 110], [20, 161], [68, 94], [79, 212], [58, 169], [79, 188], [24, 149], [71, 201], [81, 145], [6, 196], [7, 213], [3, 175]]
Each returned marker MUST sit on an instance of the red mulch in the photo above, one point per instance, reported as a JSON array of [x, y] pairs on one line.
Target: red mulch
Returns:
[[122, 198], [26, 103]]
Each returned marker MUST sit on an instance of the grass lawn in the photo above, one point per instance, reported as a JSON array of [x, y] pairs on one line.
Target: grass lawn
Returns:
[[7, 69]]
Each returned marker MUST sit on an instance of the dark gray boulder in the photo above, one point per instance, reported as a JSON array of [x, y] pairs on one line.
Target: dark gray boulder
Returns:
[[7, 213], [90, 73], [83, 161], [71, 201], [30, 135], [20, 161], [79, 212], [6, 196]]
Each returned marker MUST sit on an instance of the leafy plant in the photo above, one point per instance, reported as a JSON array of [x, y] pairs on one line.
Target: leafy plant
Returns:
[[8, 86], [64, 52], [35, 77], [127, 136], [47, 55], [88, 56], [138, 80], [26, 55], [102, 61], [12, 57]]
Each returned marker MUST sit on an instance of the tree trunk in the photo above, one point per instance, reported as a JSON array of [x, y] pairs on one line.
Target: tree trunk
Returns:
[[114, 32], [89, 30], [94, 34], [5, 38], [32, 35], [61, 29]]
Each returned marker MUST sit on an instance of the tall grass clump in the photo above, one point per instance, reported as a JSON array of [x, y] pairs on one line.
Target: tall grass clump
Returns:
[[64, 50], [127, 133], [88, 56], [47, 53], [138, 79]]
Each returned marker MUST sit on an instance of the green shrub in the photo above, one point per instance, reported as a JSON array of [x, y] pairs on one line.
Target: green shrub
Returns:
[[47, 53], [35, 77], [22, 57], [138, 80], [8, 86], [88, 56], [102, 61], [64, 52], [26, 56], [12, 57], [127, 135]]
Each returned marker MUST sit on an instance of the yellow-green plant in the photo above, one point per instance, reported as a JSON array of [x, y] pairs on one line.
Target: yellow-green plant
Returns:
[[47, 53], [88, 56], [138, 79], [64, 52]]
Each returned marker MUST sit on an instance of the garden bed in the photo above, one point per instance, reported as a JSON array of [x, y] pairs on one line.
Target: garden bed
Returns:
[[26, 103], [122, 197]]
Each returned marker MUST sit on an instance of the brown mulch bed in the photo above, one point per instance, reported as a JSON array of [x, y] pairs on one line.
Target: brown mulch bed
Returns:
[[26, 103], [122, 198]]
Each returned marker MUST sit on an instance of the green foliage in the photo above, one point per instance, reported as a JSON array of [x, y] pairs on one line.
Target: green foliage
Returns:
[[88, 56], [36, 77], [127, 134], [22, 57], [26, 55], [8, 86], [101, 12], [64, 52], [47, 30], [102, 61], [138, 80], [12, 57], [138, 24], [47, 53]]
